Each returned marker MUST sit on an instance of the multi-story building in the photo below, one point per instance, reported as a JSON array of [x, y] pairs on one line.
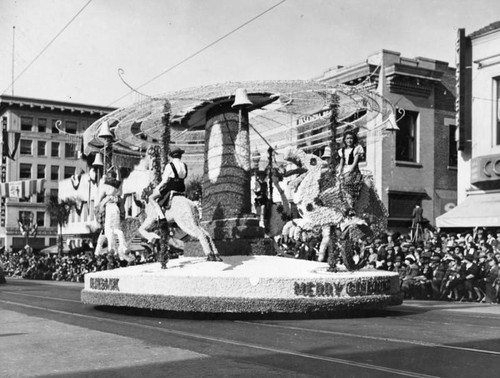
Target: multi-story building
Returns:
[[418, 163], [39, 142], [478, 119]]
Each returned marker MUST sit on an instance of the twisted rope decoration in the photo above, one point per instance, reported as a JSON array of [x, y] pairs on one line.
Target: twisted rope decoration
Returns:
[[165, 146]]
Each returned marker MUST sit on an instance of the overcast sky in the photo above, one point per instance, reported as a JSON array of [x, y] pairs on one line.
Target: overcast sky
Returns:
[[297, 39]]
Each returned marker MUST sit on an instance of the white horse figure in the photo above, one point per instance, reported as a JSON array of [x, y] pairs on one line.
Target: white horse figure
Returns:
[[112, 233], [185, 214]]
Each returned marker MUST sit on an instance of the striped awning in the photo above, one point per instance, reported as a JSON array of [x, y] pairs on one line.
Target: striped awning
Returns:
[[21, 189]]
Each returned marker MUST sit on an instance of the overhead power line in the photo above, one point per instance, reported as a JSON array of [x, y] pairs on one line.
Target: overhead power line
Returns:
[[201, 50], [47, 46]]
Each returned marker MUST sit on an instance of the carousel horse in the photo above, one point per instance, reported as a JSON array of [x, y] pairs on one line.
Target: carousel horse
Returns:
[[113, 234], [185, 214], [108, 208], [321, 202]]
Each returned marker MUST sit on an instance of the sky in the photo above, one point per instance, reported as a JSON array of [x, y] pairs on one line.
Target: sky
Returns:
[[72, 50]]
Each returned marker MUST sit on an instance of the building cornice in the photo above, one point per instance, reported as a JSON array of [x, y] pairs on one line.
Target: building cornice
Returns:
[[349, 75], [7, 102], [411, 80]]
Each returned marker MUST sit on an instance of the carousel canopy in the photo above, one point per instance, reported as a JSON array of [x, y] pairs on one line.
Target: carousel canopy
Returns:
[[279, 107]]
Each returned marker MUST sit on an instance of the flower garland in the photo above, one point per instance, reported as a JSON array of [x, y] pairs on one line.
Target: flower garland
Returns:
[[154, 154]]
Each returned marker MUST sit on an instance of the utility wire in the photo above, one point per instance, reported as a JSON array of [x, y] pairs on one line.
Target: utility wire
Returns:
[[201, 50], [47, 46]]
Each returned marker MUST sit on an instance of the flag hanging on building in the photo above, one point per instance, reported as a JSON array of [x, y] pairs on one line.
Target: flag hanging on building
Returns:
[[21, 189], [10, 143]]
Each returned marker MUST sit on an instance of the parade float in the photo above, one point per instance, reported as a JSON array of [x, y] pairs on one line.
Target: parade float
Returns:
[[230, 264]]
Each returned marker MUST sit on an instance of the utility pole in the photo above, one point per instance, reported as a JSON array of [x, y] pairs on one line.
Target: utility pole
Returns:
[[13, 55]]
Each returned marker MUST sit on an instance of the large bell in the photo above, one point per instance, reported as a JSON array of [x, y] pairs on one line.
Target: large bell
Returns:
[[241, 99], [104, 131], [392, 127], [98, 161], [327, 153]]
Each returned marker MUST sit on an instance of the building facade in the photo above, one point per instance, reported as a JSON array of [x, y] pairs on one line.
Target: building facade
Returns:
[[478, 119], [418, 163], [39, 142]]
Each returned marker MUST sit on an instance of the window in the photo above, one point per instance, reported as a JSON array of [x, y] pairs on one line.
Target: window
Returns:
[[40, 171], [68, 172], [54, 173], [24, 171], [40, 218], [54, 193], [406, 138], [55, 130], [401, 205], [26, 147], [54, 152], [452, 146], [53, 221], [496, 83], [40, 197], [26, 123], [26, 217], [42, 125], [42, 148], [71, 127], [69, 151]]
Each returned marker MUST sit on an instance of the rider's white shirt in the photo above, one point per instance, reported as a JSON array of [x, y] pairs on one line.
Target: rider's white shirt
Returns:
[[179, 166]]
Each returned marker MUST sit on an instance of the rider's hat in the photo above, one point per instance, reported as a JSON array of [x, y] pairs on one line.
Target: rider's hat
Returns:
[[176, 152]]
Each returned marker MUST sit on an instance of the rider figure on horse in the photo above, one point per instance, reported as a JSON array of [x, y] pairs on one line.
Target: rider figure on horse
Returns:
[[172, 182], [348, 170]]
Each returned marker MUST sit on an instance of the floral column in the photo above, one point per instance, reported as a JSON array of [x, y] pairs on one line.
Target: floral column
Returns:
[[226, 200]]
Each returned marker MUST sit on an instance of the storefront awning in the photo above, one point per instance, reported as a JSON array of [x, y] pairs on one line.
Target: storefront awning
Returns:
[[482, 210]]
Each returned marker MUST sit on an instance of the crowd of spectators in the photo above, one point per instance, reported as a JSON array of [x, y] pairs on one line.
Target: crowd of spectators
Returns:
[[27, 264], [441, 266]]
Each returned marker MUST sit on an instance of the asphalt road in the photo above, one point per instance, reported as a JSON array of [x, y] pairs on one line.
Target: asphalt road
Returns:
[[46, 331]]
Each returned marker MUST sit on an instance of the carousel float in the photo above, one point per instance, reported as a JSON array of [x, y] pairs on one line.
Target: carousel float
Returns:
[[230, 263]]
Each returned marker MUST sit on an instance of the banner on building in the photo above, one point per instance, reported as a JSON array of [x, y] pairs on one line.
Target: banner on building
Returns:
[[21, 189], [10, 143]]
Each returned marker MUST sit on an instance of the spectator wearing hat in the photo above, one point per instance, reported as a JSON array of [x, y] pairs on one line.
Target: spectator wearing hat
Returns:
[[389, 265], [490, 280], [412, 270], [470, 273], [173, 177], [399, 268], [438, 267], [479, 283], [389, 254], [452, 285], [398, 251]]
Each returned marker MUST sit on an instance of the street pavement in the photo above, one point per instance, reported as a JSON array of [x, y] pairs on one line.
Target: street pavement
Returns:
[[46, 331]]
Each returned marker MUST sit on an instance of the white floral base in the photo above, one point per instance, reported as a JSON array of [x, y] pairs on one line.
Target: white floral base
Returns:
[[243, 284]]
